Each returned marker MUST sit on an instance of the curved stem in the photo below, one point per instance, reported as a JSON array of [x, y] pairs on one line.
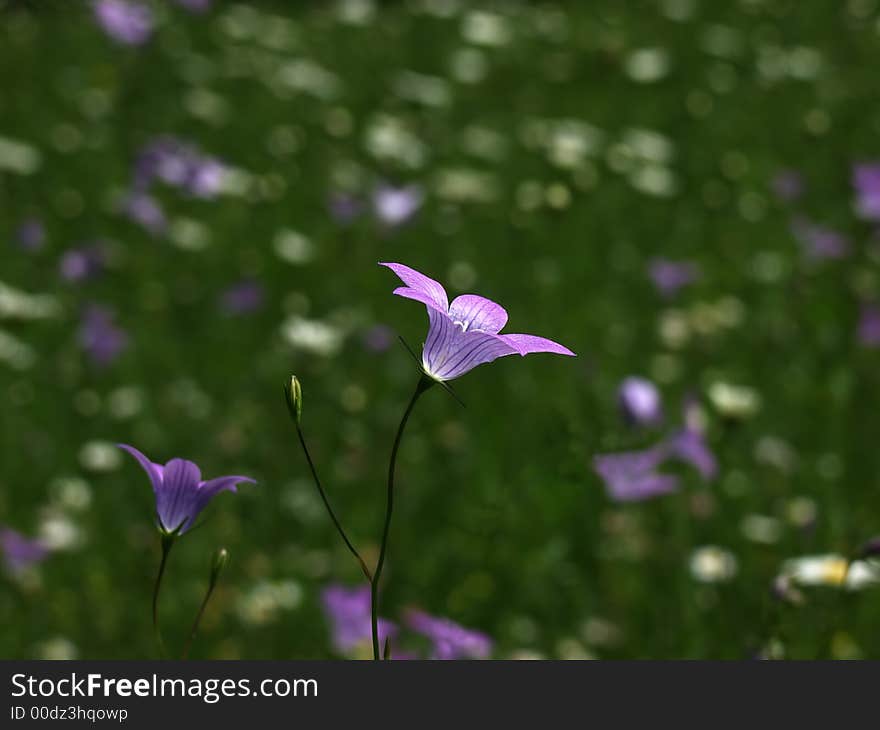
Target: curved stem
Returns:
[[167, 543], [195, 627], [424, 383], [337, 524]]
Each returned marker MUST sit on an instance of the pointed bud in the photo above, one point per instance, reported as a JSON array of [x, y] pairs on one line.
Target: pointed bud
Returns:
[[387, 653], [218, 564], [293, 396]]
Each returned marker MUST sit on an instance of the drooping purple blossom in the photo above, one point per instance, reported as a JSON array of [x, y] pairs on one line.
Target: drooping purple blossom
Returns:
[[348, 610], [819, 243], [20, 552], [181, 495], [449, 640], [633, 476], [869, 325], [394, 206], [179, 165], [145, 210], [640, 401], [100, 337], [378, 338], [466, 333], [244, 297], [866, 181], [788, 185], [344, 208], [125, 21], [80, 264], [31, 234], [671, 276]]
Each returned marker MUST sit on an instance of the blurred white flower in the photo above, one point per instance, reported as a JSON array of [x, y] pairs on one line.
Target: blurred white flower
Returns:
[[712, 564], [293, 247], [312, 335], [100, 456], [734, 401], [831, 570], [262, 603], [16, 304], [57, 648]]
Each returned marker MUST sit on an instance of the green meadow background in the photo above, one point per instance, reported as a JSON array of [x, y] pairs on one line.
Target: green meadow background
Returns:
[[679, 115]]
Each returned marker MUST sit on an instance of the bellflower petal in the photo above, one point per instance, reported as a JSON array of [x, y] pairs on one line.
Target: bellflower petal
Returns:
[[472, 312], [181, 495], [349, 612], [528, 344], [449, 639], [175, 502], [419, 287], [154, 471]]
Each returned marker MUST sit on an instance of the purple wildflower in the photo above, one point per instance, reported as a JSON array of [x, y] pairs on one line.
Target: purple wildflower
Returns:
[[633, 476], [344, 208], [669, 276], [869, 325], [819, 243], [378, 338], [640, 401], [20, 552], [395, 206], [179, 165], [242, 298], [450, 641], [125, 21], [80, 264], [464, 334], [866, 180], [31, 235], [99, 336], [788, 185], [181, 495], [349, 612], [145, 210]]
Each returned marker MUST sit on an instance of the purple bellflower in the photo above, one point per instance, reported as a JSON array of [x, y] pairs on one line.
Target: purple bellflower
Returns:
[[395, 206], [869, 325], [464, 334], [669, 276], [819, 243], [125, 21], [244, 297], [866, 180], [634, 476], [450, 641], [20, 552], [181, 495], [348, 610], [640, 402], [788, 185], [31, 234], [101, 339]]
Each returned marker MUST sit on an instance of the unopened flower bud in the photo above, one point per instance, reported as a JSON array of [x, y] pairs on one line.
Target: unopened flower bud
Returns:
[[293, 396], [218, 564]]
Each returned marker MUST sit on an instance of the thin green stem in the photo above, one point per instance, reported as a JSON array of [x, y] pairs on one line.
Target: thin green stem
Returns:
[[195, 627], [424, 383], [337, 524], [167, 543]]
